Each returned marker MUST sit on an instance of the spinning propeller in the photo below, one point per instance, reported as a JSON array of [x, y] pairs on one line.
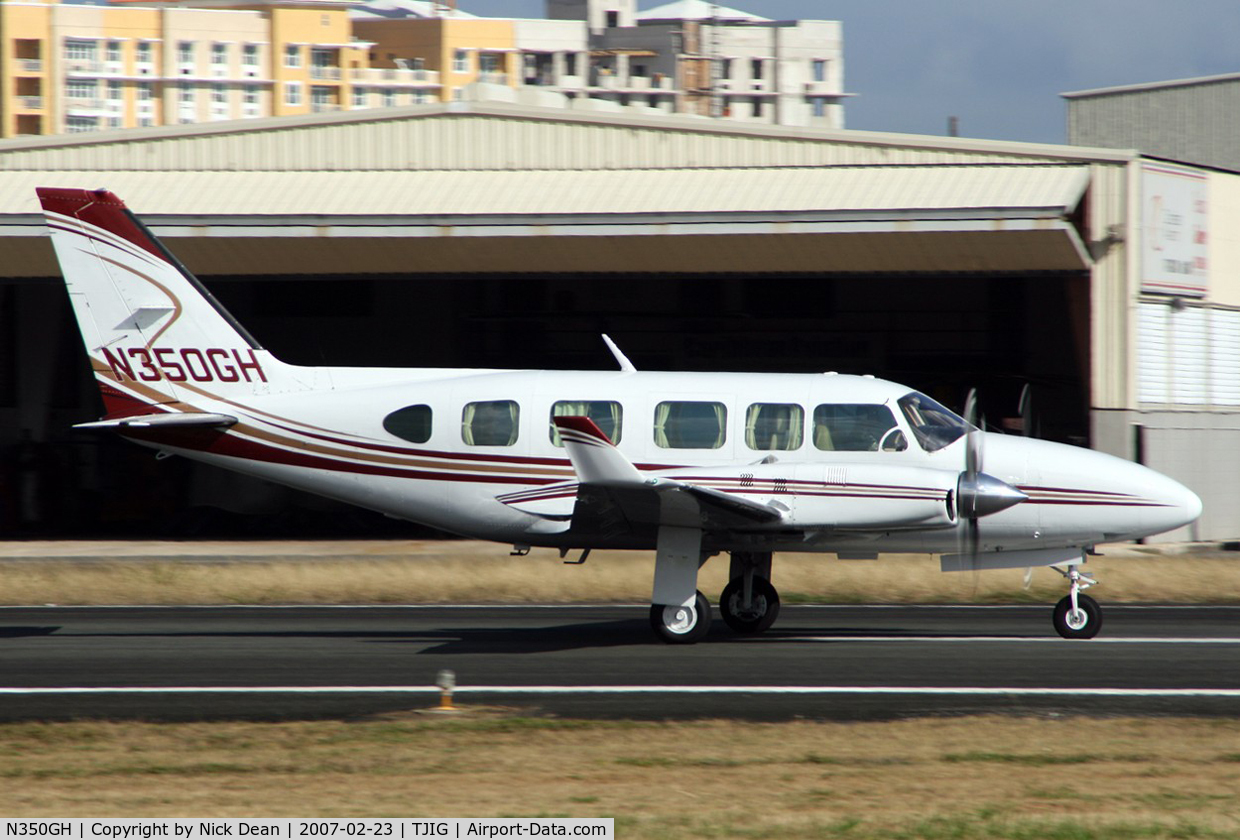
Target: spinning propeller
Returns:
[[978, 494]]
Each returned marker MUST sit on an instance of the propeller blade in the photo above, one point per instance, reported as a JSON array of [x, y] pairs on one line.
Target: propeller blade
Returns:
[[1026, 411], [973, 439]]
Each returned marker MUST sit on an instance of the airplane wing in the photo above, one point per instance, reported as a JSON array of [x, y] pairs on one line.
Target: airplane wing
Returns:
[[614, 498]]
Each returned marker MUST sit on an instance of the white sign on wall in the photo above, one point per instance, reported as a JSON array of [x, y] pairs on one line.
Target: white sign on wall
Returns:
[[1175, 225]]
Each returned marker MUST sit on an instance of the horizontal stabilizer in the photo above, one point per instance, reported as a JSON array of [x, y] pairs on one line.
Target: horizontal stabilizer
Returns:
[[594, 457], [162, 421]]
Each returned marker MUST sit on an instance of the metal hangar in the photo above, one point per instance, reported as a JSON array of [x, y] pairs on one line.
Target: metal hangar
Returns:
[[487, 234]]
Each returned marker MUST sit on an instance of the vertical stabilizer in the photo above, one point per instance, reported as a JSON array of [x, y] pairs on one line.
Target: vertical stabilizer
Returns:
[[154, 334]]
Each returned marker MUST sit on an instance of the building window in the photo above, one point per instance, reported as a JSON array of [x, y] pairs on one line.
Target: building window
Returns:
[[77, 125], [249, 55], [755, 68], [219, 53], [820, 70], [757, 106], [725, 68], [79, 50], [292, 56], [114, 51], [460, 61], [389, 98], [219, 94], [251, 94], [613, 19], [144, 52], [186, 92], [292, 93], [82, 89], [114, 91], [359, 97], [185, 52], [144, 91], [819, 106]]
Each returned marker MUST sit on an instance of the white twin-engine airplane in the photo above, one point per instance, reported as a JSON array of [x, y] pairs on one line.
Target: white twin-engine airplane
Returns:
[[689, 464]]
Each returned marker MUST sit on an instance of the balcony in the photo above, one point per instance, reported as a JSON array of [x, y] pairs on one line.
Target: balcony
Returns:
[[324, 72], [75, 105], [630, 84], [30, 65], [324, 107], [822, 88], [30, 103], [394, 76], [83, 65], [493, 78]]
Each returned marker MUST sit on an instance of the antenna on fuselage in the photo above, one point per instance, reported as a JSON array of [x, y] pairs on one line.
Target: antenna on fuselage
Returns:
[[623, 360]]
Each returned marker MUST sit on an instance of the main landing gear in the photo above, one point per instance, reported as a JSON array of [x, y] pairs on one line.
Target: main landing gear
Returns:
[[749, 602], [1077, 616], [680, 614]]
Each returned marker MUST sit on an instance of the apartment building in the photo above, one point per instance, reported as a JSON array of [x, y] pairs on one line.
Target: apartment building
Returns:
[[135, 63], [73, 68], [454, 51]]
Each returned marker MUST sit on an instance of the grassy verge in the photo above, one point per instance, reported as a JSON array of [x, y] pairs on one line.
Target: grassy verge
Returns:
[[468, 572], [980, 777]]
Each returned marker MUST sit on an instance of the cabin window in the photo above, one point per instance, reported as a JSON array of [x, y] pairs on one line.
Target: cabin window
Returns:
[[933, 425], [492, 423], [606, 415], [774, 426], [690, 425], [857, 428], [411, 423]]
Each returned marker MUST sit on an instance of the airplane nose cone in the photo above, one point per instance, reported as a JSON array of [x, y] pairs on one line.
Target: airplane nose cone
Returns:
[[1184, 506]]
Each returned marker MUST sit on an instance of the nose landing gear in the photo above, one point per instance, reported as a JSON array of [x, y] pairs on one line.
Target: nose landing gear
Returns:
[[1077, 616]]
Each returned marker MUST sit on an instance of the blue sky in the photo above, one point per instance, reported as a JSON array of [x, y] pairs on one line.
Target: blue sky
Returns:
[[997, 65]]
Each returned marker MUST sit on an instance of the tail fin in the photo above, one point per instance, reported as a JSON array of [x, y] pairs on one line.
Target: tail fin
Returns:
[[153, 333]]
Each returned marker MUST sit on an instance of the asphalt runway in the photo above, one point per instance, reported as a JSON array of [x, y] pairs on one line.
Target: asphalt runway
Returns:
[[829, 662]]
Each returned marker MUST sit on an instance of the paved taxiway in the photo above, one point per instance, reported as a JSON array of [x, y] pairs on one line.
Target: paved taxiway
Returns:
[[819, 661]]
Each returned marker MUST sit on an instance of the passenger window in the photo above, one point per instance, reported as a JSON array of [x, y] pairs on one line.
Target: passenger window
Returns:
[[411, 423], [857, 428], [490, 423], [608, 416], [690, 425], [774, 426]]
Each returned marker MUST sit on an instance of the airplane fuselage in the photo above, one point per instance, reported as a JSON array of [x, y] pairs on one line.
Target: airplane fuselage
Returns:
[[847, 494]]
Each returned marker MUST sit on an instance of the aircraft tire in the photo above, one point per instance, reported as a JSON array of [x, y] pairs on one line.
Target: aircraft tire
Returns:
[[760, 617], [678, 625], [1084, 626]]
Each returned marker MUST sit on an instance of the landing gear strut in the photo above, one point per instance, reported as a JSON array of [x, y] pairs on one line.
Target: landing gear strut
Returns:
[[1077, 616], [749, 603]]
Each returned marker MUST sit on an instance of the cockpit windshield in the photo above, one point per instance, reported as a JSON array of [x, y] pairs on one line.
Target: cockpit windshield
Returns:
[[933, 425]]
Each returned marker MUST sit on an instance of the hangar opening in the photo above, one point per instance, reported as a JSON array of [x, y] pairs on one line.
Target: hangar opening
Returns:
[[939, 334]]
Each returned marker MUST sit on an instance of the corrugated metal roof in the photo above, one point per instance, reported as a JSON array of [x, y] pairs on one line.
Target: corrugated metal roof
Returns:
[[491, 135], [903, 191]]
